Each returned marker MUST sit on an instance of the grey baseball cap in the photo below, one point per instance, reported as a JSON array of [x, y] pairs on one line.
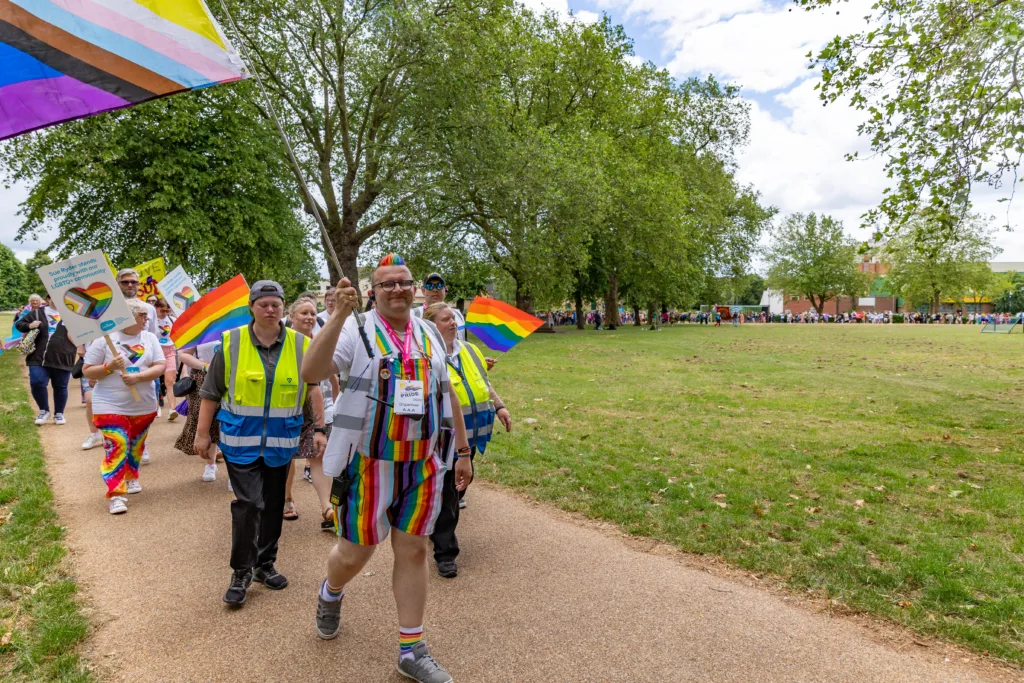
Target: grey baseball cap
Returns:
[[265, 288]]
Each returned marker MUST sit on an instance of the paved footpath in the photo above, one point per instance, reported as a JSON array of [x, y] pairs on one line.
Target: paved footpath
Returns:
[[539, 597]]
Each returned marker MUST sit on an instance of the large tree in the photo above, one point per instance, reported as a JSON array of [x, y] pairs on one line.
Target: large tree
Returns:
[[350, 80], [810, 255], [197, 178], [40, 258], [14, 289], [929, 262], [940, 82]]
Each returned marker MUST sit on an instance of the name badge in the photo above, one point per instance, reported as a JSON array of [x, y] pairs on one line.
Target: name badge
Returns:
[[131, 370], [409, 397]]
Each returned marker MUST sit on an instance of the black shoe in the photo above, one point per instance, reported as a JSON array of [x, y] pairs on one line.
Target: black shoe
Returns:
[[447, 569], [237, 591], [327, 525], [269, 577]]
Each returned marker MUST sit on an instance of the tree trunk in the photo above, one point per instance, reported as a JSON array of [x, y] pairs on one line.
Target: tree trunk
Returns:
[[652, 315], [524, 302], [611, 303], [636, 316], [579, 311]]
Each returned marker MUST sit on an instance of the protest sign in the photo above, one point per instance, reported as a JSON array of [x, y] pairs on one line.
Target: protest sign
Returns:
[[150, 273], [177, 288], [86, 295]]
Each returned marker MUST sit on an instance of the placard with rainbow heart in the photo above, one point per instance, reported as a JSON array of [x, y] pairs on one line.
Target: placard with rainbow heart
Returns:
[[177, 288], [86, 296]]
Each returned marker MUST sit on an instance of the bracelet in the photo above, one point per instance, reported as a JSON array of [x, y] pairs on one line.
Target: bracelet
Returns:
[[105, 369], [498, 407], [463, 453], [320, 430]]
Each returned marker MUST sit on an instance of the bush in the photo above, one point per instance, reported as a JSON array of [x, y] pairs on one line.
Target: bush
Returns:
[[897, 317]]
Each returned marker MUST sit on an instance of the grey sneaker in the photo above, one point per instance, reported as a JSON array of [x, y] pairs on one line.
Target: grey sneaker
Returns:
[[422, 666], [328, 618]]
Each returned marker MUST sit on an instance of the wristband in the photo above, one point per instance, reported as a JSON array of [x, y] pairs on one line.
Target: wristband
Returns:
[[106, 369], [463, 453], [497, 408], [320, 430]]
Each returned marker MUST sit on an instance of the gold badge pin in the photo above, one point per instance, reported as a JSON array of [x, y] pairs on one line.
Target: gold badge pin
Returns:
[[385, 374]]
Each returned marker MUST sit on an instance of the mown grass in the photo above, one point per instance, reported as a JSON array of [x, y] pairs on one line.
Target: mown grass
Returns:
[[881, 467], [41, 624]]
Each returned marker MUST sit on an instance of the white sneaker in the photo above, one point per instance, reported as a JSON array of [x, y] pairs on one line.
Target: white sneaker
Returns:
[[134, 486], [172, 416], [42, 417], [59, 419], [210, 473], [159, 411], [145, 455], [92, 441], [118, 505], [231, 489]]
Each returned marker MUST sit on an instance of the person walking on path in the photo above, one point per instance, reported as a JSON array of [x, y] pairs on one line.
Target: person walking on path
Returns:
[[313, 437], [197, 360], [384, 451], [123, 420], [253, 386], [128, 283], [480, 405], [51, 361], [435, 289], [164, 322]]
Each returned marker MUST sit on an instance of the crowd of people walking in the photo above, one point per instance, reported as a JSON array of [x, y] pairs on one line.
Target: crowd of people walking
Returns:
[[383, 414]]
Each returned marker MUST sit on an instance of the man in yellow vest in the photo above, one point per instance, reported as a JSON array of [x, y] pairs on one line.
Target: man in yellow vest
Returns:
[[255, 380]]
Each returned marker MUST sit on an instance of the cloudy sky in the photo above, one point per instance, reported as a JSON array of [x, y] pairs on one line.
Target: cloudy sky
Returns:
[[796, 153]]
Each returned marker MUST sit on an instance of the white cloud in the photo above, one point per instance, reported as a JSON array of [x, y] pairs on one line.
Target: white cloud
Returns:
[[586, 16]]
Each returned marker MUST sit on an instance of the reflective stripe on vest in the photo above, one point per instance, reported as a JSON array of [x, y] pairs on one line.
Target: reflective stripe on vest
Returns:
[[257, 417], [475, 397]]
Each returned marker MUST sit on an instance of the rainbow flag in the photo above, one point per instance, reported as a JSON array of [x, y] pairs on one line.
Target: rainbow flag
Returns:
[[498, 325], [218, 311], [62, 60]]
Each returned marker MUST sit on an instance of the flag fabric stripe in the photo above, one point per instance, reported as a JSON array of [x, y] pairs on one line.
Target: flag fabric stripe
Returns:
[[220, 310], [36, 104], [66, 65], [92, 55], [497, 337], [192, 15], [498, 325], [85, 57], [156, 38], [114, 42]]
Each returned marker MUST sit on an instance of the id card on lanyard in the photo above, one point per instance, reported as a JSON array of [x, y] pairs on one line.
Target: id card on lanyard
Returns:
[[410, 394]]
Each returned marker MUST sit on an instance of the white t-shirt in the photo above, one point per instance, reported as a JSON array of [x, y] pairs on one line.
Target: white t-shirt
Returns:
[[111, 396], [206, 352], [163, 326]]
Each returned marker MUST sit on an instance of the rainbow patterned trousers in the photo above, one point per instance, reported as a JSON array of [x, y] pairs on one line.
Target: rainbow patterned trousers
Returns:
[[385, 494], [124, 437]]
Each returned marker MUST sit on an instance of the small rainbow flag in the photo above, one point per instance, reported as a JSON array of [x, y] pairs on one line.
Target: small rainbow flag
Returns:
[[218, 311], [499, 325]]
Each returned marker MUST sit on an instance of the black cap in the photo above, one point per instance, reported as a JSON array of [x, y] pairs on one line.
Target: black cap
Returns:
[[435, 276], [265, 288]]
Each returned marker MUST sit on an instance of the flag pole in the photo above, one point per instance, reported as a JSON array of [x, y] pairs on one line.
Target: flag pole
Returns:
[[307, 195]]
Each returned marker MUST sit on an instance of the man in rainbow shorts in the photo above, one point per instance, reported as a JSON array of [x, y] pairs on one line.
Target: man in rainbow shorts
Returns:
[[385, 450]]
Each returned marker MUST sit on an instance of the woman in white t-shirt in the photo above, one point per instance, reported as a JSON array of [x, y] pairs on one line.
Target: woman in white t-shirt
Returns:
[[123, 420], [164, 322]]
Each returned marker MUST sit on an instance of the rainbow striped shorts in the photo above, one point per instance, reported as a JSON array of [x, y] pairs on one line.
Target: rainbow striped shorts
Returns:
[[386, 494]]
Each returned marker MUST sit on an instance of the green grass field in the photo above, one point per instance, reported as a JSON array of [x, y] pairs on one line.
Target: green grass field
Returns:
[[881, 467], [40, 622]]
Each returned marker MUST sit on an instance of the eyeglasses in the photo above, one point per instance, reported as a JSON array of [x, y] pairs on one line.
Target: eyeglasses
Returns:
[[129, 282], [432, 286], [390, 285]]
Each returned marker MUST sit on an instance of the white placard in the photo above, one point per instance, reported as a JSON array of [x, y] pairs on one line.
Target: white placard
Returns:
[[85, 293], [178, 290]]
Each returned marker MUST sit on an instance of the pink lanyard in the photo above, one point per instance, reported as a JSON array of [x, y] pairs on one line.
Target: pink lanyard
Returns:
[[404, 347]]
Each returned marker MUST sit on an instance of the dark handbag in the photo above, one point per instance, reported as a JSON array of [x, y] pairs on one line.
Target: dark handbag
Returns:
[[183, 386], [76, 371]]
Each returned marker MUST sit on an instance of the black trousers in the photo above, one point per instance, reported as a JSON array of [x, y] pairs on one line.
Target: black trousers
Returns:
[[446, 545], [256, 513]]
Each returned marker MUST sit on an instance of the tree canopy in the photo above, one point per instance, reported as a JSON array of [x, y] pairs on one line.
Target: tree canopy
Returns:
[[810, 255], [940, 83]]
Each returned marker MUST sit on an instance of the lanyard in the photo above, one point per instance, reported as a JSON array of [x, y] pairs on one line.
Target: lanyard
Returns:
[[404, 346]]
